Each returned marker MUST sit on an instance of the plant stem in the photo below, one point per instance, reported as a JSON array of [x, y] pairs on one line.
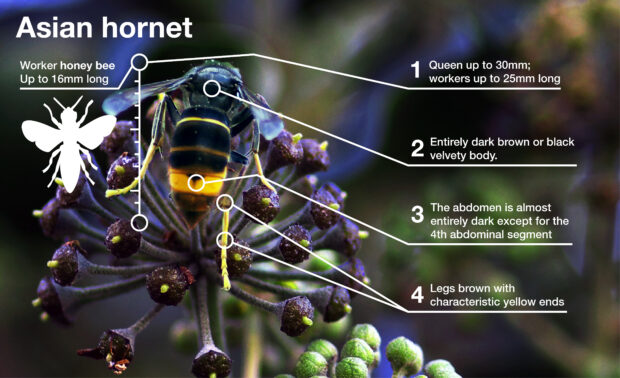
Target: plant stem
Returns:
[[289, 275], [121, 270], [253, 300], [144, 321], [160, 253], [215, 315], [95, 292], [199, 290], [165, 206]]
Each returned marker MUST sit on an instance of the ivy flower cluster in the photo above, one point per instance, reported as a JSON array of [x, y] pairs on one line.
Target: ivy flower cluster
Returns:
[[361, 353], [174, 265]]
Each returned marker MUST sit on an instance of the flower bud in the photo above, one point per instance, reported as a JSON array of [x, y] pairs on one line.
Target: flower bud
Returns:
[[211, 360], [306, 185], [351, 367], [239, 259], [66, 199], [405, 357], [343, 237], [440, 369], [360, 349], [64, 264], [292, 253], [339, 304], [325, 349], [310, 364], [297, 315], [323, 216], [115, 346], [121, 239], [368, 333], [50, 302], [122, 171], [48, 217], [262, 203], [184, 336], [355, 268], [315, 157], [168, 284], [283, 150], [119, 140], [339, 194]]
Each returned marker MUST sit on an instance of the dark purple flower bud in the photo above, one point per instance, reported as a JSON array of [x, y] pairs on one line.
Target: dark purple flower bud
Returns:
[[168, 284], [355, 268], [306, 185], [292, 253], [323, 216], [262, 202], [283, 150], [344, 237], [122, 172], [115, 346], [315, 157], [49, 300], [339, 194], [297, 315], [239, 259], [66, 199], [64, 264], [48, 217], [119, 140], [121, 239], [339, 305], [211, 360]]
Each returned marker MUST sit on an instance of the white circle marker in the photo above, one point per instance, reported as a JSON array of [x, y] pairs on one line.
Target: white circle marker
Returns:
[[224, 206], [230, 239], [144, 219], [192, 178], [209, 82], [136, 64]]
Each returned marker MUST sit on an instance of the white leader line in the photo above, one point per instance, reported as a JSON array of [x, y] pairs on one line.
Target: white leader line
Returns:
[[386, 156], [314, 254], [391, 303], [358, 77], [402, 241], [398, 307]]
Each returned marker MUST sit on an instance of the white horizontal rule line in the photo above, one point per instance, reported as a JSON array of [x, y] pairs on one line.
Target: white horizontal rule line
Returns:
[[333, 72]]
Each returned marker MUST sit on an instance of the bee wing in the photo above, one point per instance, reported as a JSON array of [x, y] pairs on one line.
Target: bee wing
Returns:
[[91, 135], [43, 136], [123, 99], [269, 123]]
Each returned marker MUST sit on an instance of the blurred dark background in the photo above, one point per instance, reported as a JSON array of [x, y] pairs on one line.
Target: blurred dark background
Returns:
[[575, 39]]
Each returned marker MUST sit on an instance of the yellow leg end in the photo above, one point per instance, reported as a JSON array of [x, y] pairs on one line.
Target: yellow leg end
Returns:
[[147, 160], [224, 256], [259, 169]]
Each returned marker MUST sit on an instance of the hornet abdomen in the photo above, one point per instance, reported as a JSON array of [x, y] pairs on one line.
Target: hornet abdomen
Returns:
[[200, 145]]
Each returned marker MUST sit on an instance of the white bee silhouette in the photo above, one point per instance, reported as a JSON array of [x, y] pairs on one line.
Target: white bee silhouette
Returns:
[[71, 137]]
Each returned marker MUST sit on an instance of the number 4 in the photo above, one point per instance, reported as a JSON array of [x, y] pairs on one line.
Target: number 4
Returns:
[[417, 294]]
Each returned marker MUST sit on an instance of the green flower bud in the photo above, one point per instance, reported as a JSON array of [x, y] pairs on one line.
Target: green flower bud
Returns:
[[325, 349], [377, 360], [368, 333], [351, 367], [310, 364], [405, 356], [440, 369], [360, 349]]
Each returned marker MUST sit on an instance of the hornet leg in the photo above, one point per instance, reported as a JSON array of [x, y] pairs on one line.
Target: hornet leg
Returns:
[[259, 167], [224, 252], [157, 137]]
